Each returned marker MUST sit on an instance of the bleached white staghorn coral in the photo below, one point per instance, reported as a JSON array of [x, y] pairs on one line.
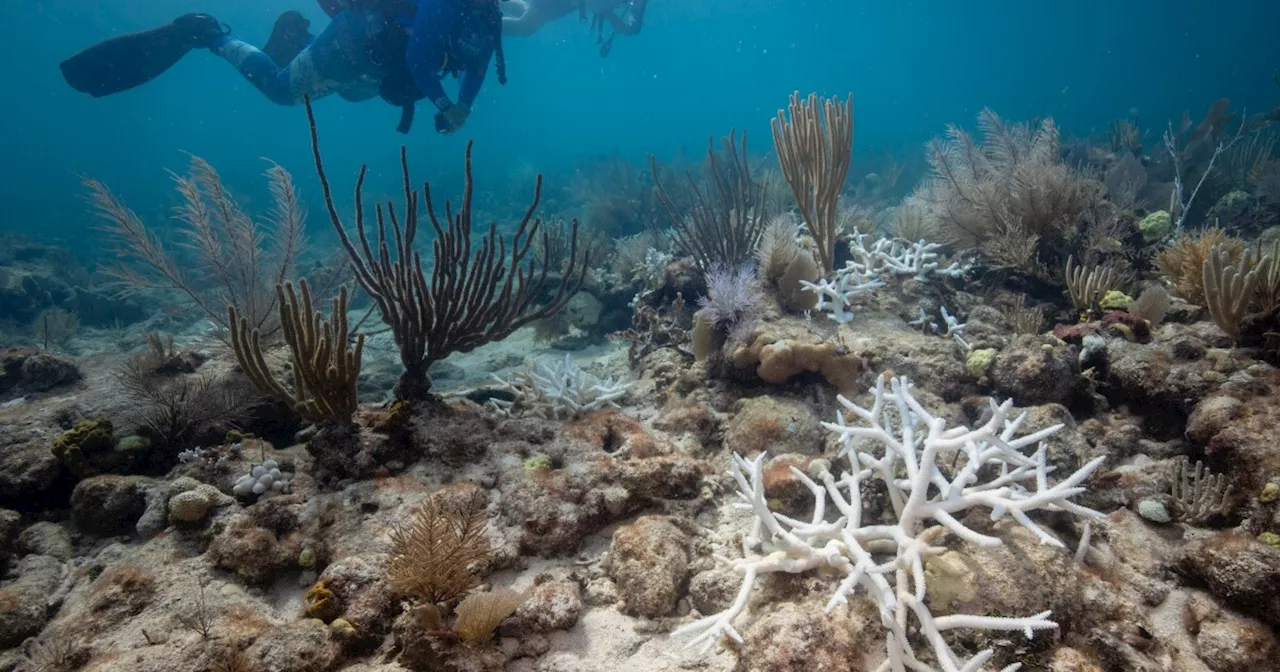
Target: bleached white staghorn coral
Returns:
[[918, 259], [900, 445], [559, 389], [889, 257], [836, 297], [955, 328], [885, 258]]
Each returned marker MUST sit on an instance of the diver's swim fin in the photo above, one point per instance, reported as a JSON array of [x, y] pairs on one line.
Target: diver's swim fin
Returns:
[[126, 61], [289, 37]]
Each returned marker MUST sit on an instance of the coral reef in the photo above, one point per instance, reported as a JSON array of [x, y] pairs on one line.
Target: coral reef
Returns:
[[1037, 396]]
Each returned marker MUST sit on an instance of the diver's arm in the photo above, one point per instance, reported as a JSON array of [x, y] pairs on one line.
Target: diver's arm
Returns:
[[519, 26], [632, 18], [473, 79], [526, 23], [425, 53]]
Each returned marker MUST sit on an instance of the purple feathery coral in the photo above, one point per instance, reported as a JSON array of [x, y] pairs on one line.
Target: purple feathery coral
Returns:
[[732, 295]]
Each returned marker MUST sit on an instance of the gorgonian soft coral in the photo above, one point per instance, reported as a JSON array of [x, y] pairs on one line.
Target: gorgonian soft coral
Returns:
[[1015, 202], [732, 295]]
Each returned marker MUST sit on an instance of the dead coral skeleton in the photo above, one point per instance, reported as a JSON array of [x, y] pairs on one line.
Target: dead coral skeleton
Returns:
[[872, 265], [955, 328], [890, 257], [653, 328], [1179, 201], [919, 489], [556, 389]]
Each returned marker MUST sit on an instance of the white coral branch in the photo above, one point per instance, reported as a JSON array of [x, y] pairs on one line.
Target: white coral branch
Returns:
[[898, 442], [560, 389]]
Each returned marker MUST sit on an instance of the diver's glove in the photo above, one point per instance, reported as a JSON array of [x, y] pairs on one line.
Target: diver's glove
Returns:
[[450, 119]]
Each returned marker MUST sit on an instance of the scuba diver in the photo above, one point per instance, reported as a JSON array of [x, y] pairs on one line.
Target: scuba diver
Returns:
[[396, 49], [534, 14]]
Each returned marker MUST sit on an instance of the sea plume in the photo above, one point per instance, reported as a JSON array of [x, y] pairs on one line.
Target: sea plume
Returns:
[[1013, 201]]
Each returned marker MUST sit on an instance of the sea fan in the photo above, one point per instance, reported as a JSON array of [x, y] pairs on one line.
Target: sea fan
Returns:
[[481, 613]]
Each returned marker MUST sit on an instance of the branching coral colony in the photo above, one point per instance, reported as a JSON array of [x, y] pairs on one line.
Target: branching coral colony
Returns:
[[557, 389], [901, 446]]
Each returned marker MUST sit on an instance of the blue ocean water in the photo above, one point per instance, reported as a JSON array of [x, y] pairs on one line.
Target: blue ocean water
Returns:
[[699, 67]]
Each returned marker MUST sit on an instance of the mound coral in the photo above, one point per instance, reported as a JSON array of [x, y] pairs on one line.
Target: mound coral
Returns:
[[776, 356]]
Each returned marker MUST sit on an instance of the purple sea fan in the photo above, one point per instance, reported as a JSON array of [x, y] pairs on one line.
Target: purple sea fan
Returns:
[[732, 295]]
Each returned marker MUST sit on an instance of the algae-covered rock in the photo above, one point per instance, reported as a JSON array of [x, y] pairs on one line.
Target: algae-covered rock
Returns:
[[1237, 211], [27, 468], [775, 424], [803, 637], [649, 560], [1238, 569], [23, 371], [1035, 373], [108, 504], [583, 310], [46, 538], [254, 553], [10, 524], [550, 605], [25, 600], [88, 448]]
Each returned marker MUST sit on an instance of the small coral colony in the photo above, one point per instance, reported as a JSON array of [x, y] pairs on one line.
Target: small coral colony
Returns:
[[793, 414]]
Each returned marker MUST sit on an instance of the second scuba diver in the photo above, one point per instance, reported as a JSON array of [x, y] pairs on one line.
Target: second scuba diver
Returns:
[[396, 49]]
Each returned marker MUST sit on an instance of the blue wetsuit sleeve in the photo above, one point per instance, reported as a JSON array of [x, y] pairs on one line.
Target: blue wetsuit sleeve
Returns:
[[425, 54], [473, 78]]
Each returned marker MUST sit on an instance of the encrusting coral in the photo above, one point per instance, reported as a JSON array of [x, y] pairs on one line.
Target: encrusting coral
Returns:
[[83, 447]]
